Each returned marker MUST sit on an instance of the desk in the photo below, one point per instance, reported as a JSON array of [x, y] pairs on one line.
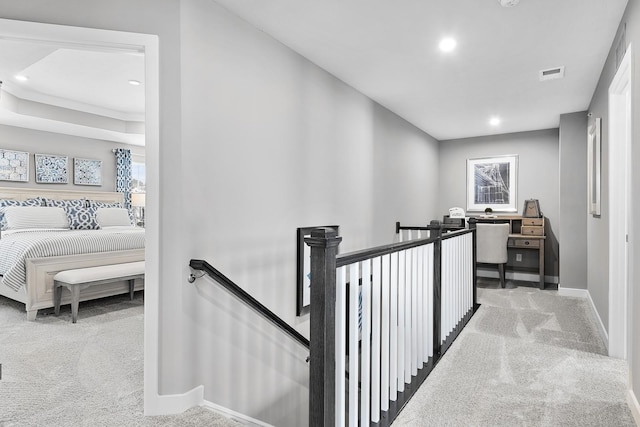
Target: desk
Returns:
[[524, 233]]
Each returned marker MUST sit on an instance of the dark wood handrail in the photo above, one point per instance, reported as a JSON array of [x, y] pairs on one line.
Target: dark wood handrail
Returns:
[[351, 257], [198, 264]]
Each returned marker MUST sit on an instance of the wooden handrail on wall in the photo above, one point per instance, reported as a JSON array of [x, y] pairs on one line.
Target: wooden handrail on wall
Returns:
[[228, 284]]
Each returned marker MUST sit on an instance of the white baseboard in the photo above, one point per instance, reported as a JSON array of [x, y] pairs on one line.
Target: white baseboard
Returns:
[[178, 403], [634, 406], [516, 275], [236, 416], [573, 292], [169, 404], [584, 293]]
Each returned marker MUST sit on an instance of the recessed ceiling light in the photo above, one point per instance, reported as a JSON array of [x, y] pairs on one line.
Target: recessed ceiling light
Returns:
[[447, 44], [21, 78], [495, 121], [134, 82]]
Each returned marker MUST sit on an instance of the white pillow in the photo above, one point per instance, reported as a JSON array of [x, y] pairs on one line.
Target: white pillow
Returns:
[[19, 217], [109, 217]]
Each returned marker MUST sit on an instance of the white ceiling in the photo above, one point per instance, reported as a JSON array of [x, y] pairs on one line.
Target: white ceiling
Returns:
[[76, 90], [388, 50]]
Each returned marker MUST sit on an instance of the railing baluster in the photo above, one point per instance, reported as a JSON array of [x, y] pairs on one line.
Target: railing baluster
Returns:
[[429, 301], [365, 376], [407, 317], [414, 312], [420, 307], [353, 344], [341, 344], [376, 289], [393, 324], [386, 333], [401, 314]]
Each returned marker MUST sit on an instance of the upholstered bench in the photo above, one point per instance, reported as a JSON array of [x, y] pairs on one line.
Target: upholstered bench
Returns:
[[81, 278]]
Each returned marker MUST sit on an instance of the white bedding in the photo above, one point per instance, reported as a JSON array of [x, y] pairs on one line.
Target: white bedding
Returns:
[[18, 245]]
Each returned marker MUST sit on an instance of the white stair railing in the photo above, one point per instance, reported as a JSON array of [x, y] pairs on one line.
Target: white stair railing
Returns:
[[397, 309]]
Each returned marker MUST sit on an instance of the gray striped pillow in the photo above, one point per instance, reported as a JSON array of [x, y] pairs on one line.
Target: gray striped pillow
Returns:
[[20, 217]]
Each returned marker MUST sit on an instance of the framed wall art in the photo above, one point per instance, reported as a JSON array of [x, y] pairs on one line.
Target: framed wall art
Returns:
[[51, 169], [14, 166], [87, 172], [593, 166], [492, 182], [303, 294]]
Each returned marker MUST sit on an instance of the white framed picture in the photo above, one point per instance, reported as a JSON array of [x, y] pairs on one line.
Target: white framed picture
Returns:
[[14, 165], [492, 183], [52, 169], [87, 171], [593, 167]]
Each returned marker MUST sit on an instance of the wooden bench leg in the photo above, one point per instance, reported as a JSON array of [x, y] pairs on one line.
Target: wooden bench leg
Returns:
[[31, 315], [57, 297], [75, 302]]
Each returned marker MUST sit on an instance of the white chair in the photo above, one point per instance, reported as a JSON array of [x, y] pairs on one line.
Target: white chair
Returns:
[[492, 246]]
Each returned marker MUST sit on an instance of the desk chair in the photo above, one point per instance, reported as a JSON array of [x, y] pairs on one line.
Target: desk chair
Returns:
[[492, 246]]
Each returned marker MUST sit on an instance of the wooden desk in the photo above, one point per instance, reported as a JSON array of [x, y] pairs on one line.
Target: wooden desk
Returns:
[[524, 233], [536, 243]]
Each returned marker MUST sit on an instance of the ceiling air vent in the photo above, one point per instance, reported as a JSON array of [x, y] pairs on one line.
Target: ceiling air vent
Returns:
[[551, 73]]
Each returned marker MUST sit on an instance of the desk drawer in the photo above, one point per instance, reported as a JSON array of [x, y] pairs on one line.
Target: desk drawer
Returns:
[[524, 243], [533, 221], [529, 230]]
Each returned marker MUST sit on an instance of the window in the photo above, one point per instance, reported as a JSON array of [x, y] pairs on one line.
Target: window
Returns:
[[138, 183]]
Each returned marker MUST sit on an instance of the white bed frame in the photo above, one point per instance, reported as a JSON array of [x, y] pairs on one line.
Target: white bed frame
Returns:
[[38, 292]]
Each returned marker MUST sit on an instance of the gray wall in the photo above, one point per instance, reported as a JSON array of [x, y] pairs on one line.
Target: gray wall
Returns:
[[35, 141], [573, 200], [264, 153], [538, 164], [598, 228]]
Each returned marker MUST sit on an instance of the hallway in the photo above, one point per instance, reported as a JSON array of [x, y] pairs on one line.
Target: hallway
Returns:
[[527, 358]]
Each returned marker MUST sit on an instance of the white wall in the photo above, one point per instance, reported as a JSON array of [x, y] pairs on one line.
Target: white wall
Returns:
[[538, 157], [35, 141], [270, 143]]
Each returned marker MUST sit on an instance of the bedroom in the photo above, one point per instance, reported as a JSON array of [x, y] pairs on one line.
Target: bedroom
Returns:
[[70, 106]]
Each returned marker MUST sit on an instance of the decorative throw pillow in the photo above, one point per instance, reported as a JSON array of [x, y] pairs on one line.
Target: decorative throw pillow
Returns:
[[4, 203], [97, 204], [113, 217], [82, 218], [21, 217], [75, 203]]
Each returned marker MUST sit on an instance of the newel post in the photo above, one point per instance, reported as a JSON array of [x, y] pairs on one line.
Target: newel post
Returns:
[[322, 361], [472, 226], [435, 229]]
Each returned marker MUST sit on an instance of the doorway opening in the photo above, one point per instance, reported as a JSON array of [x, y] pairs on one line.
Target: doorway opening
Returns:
[[147, 46]]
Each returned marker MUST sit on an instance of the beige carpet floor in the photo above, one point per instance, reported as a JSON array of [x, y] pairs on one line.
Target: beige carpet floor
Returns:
[[527, 358], [55, 373]]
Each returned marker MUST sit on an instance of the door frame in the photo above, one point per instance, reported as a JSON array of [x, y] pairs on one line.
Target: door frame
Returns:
[[149, 44], [620, 134]]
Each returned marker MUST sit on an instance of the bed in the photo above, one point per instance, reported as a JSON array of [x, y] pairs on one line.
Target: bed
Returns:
[[42, 262]]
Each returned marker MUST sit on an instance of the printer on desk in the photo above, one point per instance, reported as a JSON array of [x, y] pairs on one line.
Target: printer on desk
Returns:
[[455, 220]]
